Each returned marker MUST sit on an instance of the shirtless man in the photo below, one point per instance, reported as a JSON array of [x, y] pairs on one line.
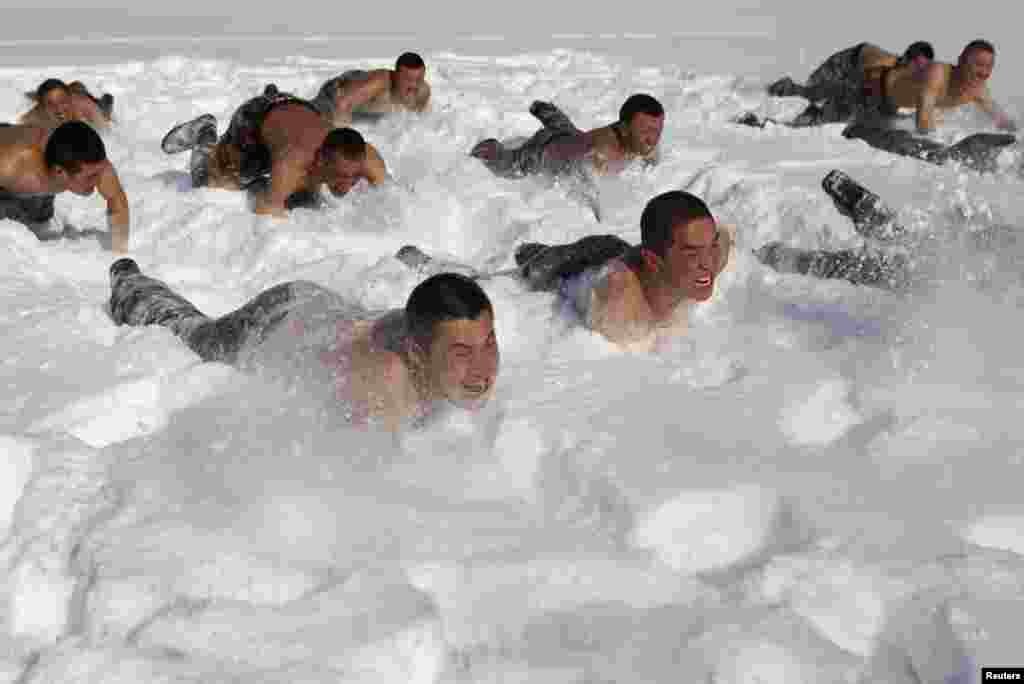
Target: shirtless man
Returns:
[[280, 149], [847, 71], [849, 84], [373, 94], [639, 299], [559, 147], [57, 102], [946, 86], [939, 87], [396, 368], [38, 163], [634, 296]]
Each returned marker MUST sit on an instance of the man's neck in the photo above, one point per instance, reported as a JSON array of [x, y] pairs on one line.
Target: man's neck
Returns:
[[623, 140], [661, 300]]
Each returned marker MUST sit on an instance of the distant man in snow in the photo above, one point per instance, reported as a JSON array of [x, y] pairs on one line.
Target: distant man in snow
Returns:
[[947, 86], [372, 94], [396, 368], [278, 148], [37, 163], [942, 86], [849, 84], [560, 147], [56, 102]]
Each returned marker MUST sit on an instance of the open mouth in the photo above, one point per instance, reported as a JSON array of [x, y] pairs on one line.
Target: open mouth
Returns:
[[476, 390], [703, 281]]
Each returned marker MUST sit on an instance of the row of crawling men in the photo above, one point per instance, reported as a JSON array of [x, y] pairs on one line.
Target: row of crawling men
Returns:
[[442, 348], [281, 149]]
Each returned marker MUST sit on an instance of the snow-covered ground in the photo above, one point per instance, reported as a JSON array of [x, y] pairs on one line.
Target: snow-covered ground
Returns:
[[820, 483]]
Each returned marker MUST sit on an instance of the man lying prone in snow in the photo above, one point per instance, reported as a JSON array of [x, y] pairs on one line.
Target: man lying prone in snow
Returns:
[[279, 148], [396, 367], [634, 296]]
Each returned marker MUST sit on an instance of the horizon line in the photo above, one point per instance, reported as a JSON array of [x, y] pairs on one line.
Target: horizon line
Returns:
[[365, 37]]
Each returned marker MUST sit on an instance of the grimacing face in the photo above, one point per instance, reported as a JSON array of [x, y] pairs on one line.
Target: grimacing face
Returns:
[[978, 65], [57, 102], [644, 133], [693, 260], [462, 362], [407, 84], [342, 175], [88, 177]]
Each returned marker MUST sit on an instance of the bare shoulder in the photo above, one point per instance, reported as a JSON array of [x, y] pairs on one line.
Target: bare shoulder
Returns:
[[375, 169], [618, 282], [604, 136]]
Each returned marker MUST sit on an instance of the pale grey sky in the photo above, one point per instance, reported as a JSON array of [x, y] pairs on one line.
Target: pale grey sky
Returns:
[[805, 32]]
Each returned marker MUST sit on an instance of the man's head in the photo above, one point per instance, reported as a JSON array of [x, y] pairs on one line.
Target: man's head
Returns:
[[977, 60], [918, 54], [342, 159], [680, 244], [409, 74], [643, 119], [76, 155], [451, 338], [54, 96]]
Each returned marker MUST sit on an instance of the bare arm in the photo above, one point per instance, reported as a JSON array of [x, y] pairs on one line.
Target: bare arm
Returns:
[[287, 176], [376, 170], [931, 90], [360, 92], [118, 216], [423, 99], [726, 238]]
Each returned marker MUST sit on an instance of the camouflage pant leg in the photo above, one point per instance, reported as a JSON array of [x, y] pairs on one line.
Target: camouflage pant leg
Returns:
[[137, 299], [875, 269], [36, 213]]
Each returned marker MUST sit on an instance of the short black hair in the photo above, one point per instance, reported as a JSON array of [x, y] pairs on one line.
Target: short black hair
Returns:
[[639, 104], [409, 60], [48, 85], [72, 144], [666, 211], [920, 48], [439, 298], [978, 44], [347, 143]]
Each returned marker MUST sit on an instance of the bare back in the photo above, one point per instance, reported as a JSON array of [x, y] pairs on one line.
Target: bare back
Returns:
[[292, 133], [22, 166], [611, 152], [370, 375]]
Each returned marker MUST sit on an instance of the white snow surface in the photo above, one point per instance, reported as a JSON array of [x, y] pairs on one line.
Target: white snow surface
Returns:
[[818, 483]]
